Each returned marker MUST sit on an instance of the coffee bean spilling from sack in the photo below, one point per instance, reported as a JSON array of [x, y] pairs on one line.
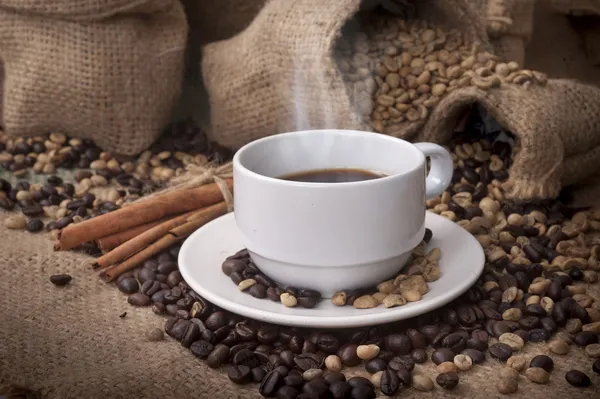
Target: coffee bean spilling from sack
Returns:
[[397, 71], [409, 286]]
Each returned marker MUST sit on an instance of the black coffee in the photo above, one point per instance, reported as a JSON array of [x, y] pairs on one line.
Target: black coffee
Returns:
[[339, 175]]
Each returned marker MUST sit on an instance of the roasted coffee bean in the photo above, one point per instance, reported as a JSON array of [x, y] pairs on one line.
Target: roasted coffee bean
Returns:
[[174, 278], [146, 274], [360, 381], [287, 358], [500, 351], [33, 211], [340, 390], [477, 356], [216, 321], [271, 383], [585, 338], [441, 355], [35, 225], [455, 342], [534, 309], [308, 347], [447, 380], [399, 344], [328, 343], [542, 361], [375, 365], [139, 299], [294, 380], [192, 333], [548, 324], [347, 353], [401, 362], [436, 342], [596, 366], [150, 287], [430, 331], [245, 357], [385, 355], [177, 328], [523, 334], [60, 279], [201, 348], [390, 383], [539, 335], [166, 268], [258, 291], [182, 314], [316, 388], [466, 315], [529, 322], [307, 302], [419, 356], [578, 378], [258, 374], [245, 332], [239, 374], [307, 361], [218, 356], [129, 286], [418, 339]]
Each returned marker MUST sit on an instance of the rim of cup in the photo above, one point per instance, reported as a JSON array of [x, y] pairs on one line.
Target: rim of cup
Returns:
[[238, 161]]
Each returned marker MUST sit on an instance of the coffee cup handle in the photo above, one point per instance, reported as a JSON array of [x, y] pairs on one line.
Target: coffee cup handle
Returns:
[[441, 170]]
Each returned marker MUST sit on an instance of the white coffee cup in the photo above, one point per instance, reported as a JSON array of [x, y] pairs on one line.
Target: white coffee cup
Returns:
[[334, 236]]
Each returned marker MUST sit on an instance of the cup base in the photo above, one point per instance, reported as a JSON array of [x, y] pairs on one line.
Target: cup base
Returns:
[[329, 280]]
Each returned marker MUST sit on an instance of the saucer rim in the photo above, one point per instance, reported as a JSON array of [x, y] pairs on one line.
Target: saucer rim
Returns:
[[342, 321]]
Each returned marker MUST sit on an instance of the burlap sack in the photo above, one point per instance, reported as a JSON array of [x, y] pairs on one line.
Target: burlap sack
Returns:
[[279, 74], [576, 7], [112, 77], [558, 126]]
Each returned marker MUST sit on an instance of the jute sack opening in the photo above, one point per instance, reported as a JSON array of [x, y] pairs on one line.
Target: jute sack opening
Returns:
[[110, 71], [280, 74]]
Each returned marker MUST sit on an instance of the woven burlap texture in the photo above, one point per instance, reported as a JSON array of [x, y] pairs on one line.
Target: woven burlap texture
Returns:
[[114, 80], [576, 7], [80, 9], [70, 342], [279, 74]]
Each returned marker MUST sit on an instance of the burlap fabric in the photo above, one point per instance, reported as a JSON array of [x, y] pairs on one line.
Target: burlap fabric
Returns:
[[278, 75], [71, 342], [110, 70]]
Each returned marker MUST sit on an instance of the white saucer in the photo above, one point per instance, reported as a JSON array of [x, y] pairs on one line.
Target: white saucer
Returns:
[[204, 251]]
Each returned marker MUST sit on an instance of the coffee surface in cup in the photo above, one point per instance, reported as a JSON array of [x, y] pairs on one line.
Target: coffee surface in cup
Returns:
[[334, 175]]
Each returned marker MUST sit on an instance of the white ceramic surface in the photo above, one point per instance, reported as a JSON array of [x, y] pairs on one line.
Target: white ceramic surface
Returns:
[[326, 236], [202, 254]]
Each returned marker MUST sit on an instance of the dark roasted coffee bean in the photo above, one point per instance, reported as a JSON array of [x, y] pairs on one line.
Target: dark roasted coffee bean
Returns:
[[417, 338], [177, 329], [401, 362], [139, 299], [578, 312], [560, 314], [245, 331], [532, 253], [542, 361], [216, 321], [239, 374], [191, 334], [308, 347], [430, 331], [287, 392], [375, 365], [201, 349], [477, 356], [428, 235], [150, 287], [264, 280], [33, 211], [585, 338], [258, 374], [447, 380], [500, 351], [480, 335], [35, 225], [287, 358], [145, 275], [340, 389], [576, 274], [227, 336], [596, 366], [390, 383], [317, 388], [507, 281], [535, 309], [333, 376], [307, 302], [258, 291], [308, 361], [385, 355], [128, 285], [166, 267], [529, 322], [267, 334], [347, 353], [538, 335], [496, 295], [174, 278], [246, 357], [455, 342], [442, 355], [548, 324], [60, 279], [218, 356], [437, 341], [236, 277], [158, 308], [399, 344], [182, 314], [554, 291], [294, 380], [360, 382], [328, 343], [418, 356], [466, 315], [578, 378]]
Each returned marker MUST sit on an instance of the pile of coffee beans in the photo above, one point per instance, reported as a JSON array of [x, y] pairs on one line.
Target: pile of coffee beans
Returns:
[[398, 70], [410, 286], [541, 257], [100, 183]]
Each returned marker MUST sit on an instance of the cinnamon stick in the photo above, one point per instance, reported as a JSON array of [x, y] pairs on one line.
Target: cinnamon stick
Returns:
[[136, 214], [140, 241], [171, 237], [112, 241]]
